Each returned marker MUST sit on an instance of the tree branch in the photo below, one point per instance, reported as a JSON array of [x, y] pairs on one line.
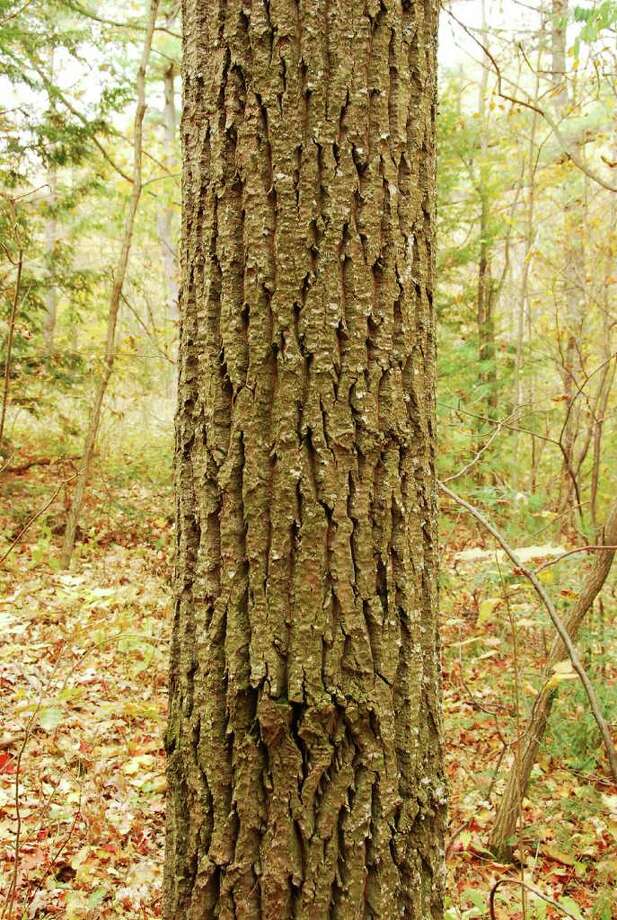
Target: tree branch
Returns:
[[572, 552], [565, 145], [134, 26], [510, 880], [556, 620]]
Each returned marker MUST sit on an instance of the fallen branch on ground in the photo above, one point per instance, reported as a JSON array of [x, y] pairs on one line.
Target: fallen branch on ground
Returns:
[[39, 461]]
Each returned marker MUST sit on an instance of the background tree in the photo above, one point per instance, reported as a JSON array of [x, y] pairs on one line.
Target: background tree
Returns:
[[115, 299]]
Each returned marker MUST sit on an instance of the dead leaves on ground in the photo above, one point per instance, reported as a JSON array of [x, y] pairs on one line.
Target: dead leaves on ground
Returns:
[[567, 848], [82, 688], [83, 668]]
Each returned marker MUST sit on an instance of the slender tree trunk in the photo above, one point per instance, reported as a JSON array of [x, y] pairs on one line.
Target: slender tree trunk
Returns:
[[487, 352], [51, 235], [610, 371], [524, 388], [596, 410], [528, 745], [10, 336], [94, 421], [608, 380], [165, 216], [304, 738], [573, 284], [51, 238]]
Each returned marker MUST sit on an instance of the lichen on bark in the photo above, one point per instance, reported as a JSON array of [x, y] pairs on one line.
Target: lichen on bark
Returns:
[[304, 737]]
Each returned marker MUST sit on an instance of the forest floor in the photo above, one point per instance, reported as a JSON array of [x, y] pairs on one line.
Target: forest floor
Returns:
[[83, 669]]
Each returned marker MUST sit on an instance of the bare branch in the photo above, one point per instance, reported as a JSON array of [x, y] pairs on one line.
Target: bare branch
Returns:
[[134, 26], [511, 880], [525, 103], [572, 552], [556, 620]]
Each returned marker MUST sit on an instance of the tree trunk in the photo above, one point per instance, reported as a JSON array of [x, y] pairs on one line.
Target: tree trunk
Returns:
[[610, 369], [94, 420], [10, 337], [573, 282], [524, 383], [485, 316], [605, 390], [304, 737], [51, 239], [487, 350], [165, 216], [529, 744]]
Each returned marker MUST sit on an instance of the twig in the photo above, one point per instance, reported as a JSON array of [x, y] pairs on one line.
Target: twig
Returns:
[[508, 880], [56, 93], [572, 552], [481, 707], [115, 299], [151, 335], [455, 835], [482, 450], [503, 423], [60, 849], [117, 25], [36, 516], [566, 147], [557, 623], [9, 901], [16, 13], [517, 715]]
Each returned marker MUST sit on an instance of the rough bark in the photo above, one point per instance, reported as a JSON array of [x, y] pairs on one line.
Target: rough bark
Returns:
[[529, 744], [304, 738]]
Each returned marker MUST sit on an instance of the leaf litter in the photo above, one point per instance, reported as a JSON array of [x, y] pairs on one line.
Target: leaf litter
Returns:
[[83, 672]]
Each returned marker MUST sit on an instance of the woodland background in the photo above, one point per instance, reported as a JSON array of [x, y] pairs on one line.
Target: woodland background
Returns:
[[527, 310]]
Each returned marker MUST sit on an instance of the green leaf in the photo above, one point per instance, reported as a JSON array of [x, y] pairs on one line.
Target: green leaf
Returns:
[[50, 718], [476, 897], [96, 897], [486, 609], [540, 909], [572, 907]]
